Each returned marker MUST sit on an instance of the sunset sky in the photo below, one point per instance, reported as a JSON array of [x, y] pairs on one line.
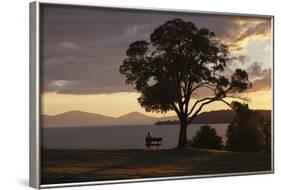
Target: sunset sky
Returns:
[[83, 49]]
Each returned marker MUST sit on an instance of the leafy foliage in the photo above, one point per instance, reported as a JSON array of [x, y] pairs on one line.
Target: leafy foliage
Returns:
[[249, 131], [207, 137]]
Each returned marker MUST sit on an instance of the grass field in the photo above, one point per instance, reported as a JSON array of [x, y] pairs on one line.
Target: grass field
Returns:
[[65, 166]]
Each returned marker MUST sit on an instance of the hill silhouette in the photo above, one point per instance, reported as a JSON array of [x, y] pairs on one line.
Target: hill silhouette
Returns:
[[134, 117], [212, 117], [76, 118], [80, 118]]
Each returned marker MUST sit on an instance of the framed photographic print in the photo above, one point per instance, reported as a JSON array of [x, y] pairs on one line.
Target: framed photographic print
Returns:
[[122, 94]]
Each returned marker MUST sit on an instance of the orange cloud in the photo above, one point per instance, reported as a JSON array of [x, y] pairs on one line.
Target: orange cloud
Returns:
[[245, 29]]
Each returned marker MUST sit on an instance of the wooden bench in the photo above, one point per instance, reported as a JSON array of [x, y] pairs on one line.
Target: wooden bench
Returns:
[[153, 141]]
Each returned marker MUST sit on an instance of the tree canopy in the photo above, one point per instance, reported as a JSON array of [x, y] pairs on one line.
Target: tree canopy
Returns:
[[249, 131]]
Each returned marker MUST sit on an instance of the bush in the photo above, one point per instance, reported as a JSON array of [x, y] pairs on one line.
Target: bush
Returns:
[[207, 137]]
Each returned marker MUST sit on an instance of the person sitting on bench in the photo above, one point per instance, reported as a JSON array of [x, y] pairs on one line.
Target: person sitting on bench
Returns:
[[149, 141]]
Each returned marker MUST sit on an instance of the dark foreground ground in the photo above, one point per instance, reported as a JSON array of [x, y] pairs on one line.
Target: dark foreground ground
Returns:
[[64, 166]]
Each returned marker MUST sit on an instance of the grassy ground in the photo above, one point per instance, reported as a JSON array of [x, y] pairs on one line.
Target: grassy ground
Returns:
[[64, 166]]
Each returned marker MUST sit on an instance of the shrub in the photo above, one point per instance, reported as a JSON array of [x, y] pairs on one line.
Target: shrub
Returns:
[[207, 137]]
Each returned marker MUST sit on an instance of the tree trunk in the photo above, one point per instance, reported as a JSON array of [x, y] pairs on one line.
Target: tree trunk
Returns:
[[182, 134]]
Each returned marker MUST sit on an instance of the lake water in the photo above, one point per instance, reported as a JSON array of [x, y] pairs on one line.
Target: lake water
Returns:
[[117, 137]]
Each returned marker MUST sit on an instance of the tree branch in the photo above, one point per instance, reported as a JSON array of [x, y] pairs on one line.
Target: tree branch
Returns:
[[208, 102], [229, 104], [197, 102], [176, 110], [200, 108]]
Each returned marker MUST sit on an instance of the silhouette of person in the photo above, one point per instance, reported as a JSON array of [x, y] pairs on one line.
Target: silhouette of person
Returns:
[[147, 140]]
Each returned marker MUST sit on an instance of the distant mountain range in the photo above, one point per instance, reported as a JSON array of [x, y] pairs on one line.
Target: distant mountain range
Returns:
[[79, 118]]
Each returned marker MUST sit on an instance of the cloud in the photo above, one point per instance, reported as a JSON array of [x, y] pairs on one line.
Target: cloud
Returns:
[[85, 87], [243, 29], [260, 78], [255, 70], [76, 75], [260, 29], [263, 83], [242, 59], [83, 48]]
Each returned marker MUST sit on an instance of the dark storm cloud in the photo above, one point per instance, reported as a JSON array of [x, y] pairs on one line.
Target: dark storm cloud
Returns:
[[82, 48]]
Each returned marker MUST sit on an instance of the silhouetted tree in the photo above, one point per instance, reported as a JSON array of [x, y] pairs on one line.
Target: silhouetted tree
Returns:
[[247, 131], [207, 137], [178, 61]]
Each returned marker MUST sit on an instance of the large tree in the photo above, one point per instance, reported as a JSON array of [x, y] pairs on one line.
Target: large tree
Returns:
[[249, 131], [171, 68]]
